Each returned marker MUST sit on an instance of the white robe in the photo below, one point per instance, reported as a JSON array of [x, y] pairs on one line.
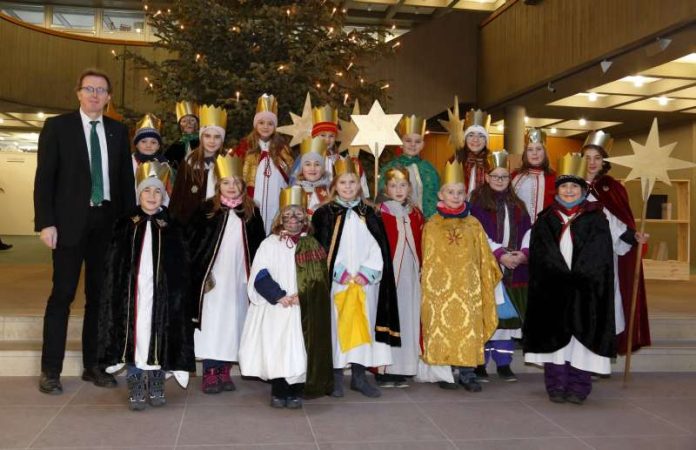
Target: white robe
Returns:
[[268, 183], [225, 306], [357, 248], [530, 187], [272, 344], [408, 294]]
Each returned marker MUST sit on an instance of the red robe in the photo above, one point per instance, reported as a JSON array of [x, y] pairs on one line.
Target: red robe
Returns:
[[612, 195], [417, 224], [549, 187]]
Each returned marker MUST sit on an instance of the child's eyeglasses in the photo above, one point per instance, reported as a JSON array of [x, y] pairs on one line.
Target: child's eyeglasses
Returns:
[[499, 177]]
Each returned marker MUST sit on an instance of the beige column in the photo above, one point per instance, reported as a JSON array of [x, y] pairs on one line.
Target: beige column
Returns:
[[513, 137]]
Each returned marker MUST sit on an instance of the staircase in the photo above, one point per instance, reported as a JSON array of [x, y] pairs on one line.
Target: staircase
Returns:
[[673, 350]]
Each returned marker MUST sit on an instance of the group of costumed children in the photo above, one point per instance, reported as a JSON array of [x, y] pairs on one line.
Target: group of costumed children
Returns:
[[283, 267]]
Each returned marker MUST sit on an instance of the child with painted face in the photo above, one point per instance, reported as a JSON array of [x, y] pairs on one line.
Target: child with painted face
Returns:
[[425, 182], [458, 280], [403, 223], [507, 224], [569, 326], [267, 160], [147, 330], [534, 181], [312, 177], [287, 333], [195, 181], [474, 155], [365, 322], [187, 118], [224, 236]]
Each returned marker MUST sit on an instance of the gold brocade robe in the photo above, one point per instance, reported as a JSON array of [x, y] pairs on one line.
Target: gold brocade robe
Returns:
[[283, 162], [459, 275]]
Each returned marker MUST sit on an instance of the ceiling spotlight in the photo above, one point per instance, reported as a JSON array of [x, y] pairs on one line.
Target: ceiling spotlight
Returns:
[[638, 81], [40, 115], [526, 119], [663, 101], [500, 127], [553, 130], [592, 96], [605, 65], [2, 120], [550, 88], [582, 122]]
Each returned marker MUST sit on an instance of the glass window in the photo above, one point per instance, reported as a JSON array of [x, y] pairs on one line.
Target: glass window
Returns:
[[77, 19], [33, 14], [123, 21]]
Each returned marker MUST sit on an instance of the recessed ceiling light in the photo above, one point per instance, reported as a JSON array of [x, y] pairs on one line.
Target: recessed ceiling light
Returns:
[[690, 58], [500, 127], [582, 122], [663, 100], [639, 80], [40, 114], [592, 97], [553, 130], [526, 119]]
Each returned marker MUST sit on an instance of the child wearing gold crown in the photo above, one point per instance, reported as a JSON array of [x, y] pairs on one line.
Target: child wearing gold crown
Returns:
[[148, 145], [403, 223], [425, 181], [287, 333], [506, 222], [224, 236], [195, 180], [459, 275], [187, 119], [365, 322], [267, 160], [534, 182], [312, 176], [143, 322], [474, 154], [570, 325]]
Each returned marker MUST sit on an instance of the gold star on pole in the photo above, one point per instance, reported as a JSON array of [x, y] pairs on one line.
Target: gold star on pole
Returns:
[[650, 162], [455, 126], [376, 129], [301, 127], [347, 132]]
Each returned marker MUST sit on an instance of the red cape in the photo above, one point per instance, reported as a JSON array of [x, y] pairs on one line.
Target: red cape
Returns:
[[549, 187], [613, 196], [417, 224]]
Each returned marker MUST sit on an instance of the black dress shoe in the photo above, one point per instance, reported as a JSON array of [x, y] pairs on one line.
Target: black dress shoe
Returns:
[[50, 384], [99, 377]]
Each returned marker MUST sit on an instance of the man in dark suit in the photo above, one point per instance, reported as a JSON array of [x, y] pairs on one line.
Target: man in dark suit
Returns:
[[84, 181]]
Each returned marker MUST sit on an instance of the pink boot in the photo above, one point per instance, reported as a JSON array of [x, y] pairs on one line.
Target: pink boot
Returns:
[[211, 382], [226, 379]]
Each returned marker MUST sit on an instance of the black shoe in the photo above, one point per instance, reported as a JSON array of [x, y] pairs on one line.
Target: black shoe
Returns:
[[4, 246], [481, 374], [574, 399], [506, 374], [293, 403], [99, 377], [50, 384], [557, 397], [448, 386], [277, 402], [471, 385]]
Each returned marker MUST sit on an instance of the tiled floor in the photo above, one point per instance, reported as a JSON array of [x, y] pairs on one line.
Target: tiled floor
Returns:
[[655, 412]]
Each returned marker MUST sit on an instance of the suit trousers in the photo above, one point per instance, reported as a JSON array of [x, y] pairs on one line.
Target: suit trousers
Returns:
[[67, 265]]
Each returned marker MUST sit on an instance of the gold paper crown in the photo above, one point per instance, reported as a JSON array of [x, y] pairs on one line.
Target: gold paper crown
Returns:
[[324, 114], [186, 108], [477, 117], [213, 116], [148, 121], [412, 125], [600, 139], [293, 196], [267, 103], [112, 113], [454, 173], [498, 159], [343, 166], [572, 165], [536, 136], [313, 145], [228, 166], [397, 173], [153, 169]]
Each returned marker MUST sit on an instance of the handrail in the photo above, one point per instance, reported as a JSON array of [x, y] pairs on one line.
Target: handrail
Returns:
[[76, 37]]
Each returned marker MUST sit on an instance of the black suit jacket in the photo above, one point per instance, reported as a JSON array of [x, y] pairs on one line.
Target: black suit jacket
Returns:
[[63, 185]]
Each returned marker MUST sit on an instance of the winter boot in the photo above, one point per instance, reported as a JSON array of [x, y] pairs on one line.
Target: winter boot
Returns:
[[155, 387], [358, 382], [136, 391], [338, 383]]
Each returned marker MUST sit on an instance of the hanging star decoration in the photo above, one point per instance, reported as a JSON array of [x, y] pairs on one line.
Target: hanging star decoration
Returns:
[[376, 129], [301, 127], [650, 162], [347, 132], [454, 125]]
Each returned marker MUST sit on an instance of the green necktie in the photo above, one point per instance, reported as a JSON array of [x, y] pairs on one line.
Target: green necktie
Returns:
[[96, 166]]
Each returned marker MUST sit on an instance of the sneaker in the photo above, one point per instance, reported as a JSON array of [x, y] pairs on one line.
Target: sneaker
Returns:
[[481, 374], [293, 403], [384, 380], [506, 374], [211, 382], [400, 384], [448, 386], [574, 399], [226, 378], [557, 397], [277, 402], [155, 388], [136, 391], [4, 246], [471, 385]]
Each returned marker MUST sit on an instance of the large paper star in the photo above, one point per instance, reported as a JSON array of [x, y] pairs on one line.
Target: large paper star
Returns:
[[376, 129], [650, 162], [455, 126], [347, 132], [301, 126]]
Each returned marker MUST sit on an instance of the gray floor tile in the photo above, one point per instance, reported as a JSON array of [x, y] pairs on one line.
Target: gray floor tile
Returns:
[[370, 422], [118, 396], [680, 412], [25, 391], [643, 443], [227, 425], [426, 445], [249, 447], [523, 444], [20, 424], [95, 426], [249, 393]]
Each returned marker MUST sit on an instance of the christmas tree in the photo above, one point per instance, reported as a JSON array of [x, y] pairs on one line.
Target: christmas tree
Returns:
[[229, 52]]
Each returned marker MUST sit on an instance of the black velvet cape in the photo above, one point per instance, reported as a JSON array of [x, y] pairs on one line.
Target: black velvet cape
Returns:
[[328, 222], [566, 302], [205, 235], [176, 152], [171, 342]]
